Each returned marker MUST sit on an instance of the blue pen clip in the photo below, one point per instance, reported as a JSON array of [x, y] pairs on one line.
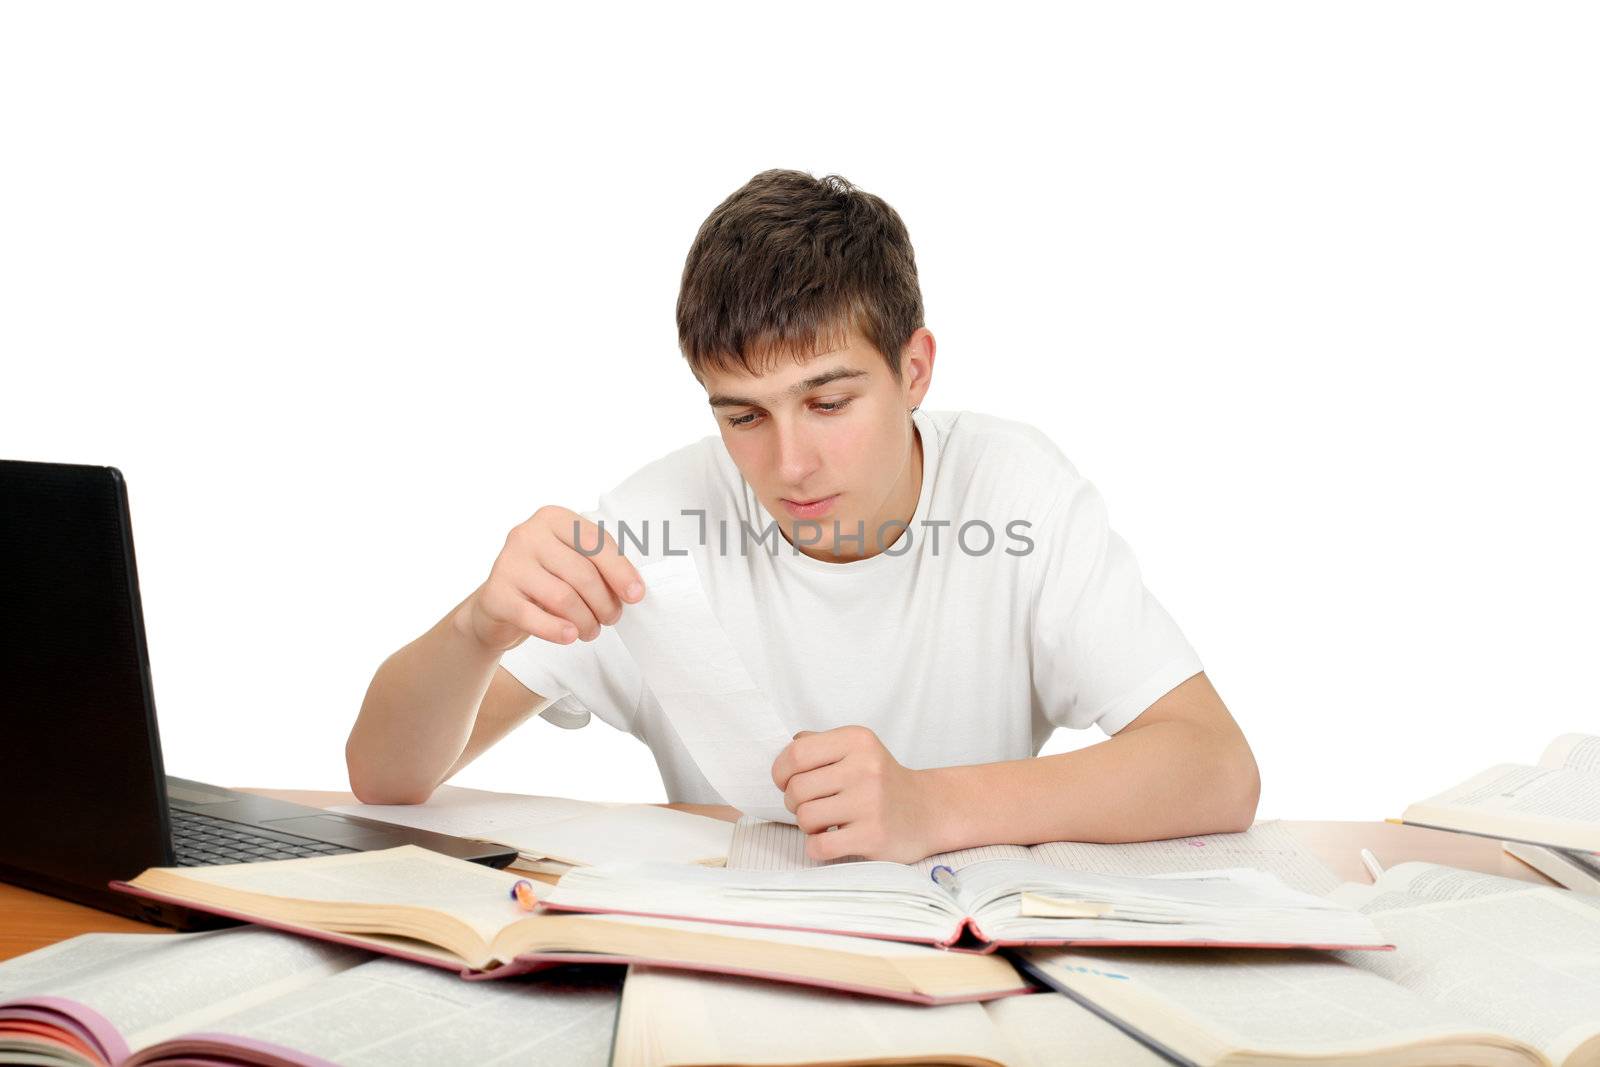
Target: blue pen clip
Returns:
[[944, 878]]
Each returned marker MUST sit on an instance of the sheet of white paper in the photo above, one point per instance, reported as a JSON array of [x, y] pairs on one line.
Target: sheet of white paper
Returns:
[[556, 828], [477, 813], [635, 832], [727, 724]]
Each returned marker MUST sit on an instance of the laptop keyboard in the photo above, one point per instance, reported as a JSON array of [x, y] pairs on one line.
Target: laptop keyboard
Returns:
[[202, 841]]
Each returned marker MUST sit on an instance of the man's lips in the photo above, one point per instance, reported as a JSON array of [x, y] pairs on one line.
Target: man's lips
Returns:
[[809, 509]]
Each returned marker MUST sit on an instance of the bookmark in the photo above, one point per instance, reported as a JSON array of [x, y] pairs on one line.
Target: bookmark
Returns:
[[726, 722], [1043, 906]]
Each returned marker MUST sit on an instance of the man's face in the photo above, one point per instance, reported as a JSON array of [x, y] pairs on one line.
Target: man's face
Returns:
[[827, 441]]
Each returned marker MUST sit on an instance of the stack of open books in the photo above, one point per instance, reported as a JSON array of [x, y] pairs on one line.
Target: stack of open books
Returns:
[[1227, 949], [783, 924]]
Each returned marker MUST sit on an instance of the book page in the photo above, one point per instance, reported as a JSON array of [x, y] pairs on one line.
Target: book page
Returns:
[[163, 984], [886, 899], [676, 1018], [1525, 961], [1266, 846], [84, 956], [1561, 795], [758, 935], [388, 1013], [1576, 752], [572, 831], [1239, 904], [1048, 1029], [759, 845], [1277, 1003], [1434, 881], [762, 845], [633, 832], [1577, 871], [407, 876], [964, 857]]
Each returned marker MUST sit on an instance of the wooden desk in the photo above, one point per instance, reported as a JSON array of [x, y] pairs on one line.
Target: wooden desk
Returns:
[[30, 920]]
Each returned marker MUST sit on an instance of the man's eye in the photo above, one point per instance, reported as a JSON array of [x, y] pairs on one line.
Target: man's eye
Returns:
[[832, 407]]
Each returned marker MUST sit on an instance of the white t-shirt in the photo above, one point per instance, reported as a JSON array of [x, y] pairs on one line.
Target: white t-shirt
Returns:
[[954, 645]]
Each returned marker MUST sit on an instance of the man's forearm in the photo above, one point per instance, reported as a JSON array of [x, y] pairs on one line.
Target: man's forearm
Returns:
[[1167, 779], [417, 715]]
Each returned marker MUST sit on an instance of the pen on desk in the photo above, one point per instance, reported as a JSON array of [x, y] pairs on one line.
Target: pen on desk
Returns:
[[944, 878], [1370, 862]]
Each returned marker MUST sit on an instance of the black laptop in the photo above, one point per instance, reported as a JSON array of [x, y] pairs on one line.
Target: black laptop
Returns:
[[84, 799]]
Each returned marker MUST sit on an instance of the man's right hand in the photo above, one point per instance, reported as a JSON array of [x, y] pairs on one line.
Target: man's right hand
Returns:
[[542, 586]]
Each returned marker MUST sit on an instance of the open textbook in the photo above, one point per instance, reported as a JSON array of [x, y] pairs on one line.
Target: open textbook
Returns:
[[673, 1019], [419, 905], [554, 834], [986, 904], [1488, 970], [1578, 871], [1555, 802], [1267, 846], [256, 997]]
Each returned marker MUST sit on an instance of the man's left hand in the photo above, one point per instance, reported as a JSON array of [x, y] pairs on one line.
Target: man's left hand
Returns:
[[846, 778]]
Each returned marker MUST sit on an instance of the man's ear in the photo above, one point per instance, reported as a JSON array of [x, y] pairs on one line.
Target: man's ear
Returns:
[[916, 365]]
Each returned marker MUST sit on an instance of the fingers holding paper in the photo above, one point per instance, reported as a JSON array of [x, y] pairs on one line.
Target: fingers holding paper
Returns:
[[853, 798], [560, 577]]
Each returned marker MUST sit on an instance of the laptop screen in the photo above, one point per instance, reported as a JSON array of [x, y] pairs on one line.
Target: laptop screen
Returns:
[[82, 790]]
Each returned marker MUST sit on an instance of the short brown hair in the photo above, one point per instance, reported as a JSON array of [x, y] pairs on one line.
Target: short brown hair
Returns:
[[790, 262]]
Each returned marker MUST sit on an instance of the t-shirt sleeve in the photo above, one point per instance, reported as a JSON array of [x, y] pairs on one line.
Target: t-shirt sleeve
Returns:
[[1103, 649], [581, 679]]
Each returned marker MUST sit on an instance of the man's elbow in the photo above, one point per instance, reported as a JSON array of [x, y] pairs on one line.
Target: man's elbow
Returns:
[[372, 789], [1242, 790]]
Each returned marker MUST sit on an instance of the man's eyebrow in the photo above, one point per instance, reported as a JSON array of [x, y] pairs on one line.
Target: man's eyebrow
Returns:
[[720, 401]]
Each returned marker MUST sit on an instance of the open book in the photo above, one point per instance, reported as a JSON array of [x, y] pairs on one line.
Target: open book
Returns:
[[249, 996], [1578, 871], [673, 1019], [554, 834], [985, 905], [1268, 846], [1489, 970], [421, 906], [1554, 803]]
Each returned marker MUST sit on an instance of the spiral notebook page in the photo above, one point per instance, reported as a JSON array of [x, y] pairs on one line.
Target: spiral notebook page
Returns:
[[727, 724]]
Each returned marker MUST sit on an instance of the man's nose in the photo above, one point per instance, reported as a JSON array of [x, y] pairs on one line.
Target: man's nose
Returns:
[[797, 455]]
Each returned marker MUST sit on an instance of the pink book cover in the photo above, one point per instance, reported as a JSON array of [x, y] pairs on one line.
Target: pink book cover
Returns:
[[62, 1022], [59, 1023], [538, 961]]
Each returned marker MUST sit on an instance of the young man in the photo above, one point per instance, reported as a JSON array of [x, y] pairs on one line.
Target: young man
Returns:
[[944, 593]]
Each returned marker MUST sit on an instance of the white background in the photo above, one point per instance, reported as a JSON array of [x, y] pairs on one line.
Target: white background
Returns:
[[1309, 292]]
